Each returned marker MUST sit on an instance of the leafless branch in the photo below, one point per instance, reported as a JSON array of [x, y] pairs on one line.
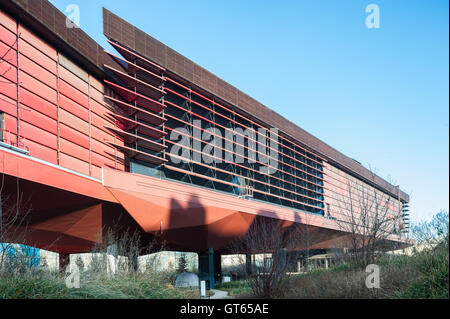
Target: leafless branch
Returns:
[[368, 217], [274, 246]]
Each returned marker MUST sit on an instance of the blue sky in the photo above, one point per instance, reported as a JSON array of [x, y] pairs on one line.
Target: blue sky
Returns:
[[377, 95]]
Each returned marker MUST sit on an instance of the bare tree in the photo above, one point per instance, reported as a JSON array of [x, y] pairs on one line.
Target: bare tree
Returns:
[[116, 252], [182, 264], [371, 219], [274, 247], [431, 233], [119, 249], [14, 230]]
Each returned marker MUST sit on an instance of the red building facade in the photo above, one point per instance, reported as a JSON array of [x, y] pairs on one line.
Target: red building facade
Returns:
[[87, 135]]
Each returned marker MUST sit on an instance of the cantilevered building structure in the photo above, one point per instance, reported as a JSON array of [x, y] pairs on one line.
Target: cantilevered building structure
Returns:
[[88, 135]]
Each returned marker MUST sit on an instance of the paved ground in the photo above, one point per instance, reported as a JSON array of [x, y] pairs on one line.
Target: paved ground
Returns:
[[220, 294]]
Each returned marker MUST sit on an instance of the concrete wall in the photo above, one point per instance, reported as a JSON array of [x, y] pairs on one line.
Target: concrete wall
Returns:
[[161, 261]]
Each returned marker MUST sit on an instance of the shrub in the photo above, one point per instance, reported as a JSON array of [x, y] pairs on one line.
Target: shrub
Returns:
[[32, 287], [123, 286], [433, 279], [345, 282]]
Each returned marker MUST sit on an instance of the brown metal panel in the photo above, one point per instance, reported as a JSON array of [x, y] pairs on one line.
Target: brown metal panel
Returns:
[[48, 15], [140, 40], [128, 35], [111, 25], [160, 50], [47, 21], [23, 3], [174, 61], [227, 91], [60, 26], [189, 69], [35, 8], [196, 73], [208, 80]]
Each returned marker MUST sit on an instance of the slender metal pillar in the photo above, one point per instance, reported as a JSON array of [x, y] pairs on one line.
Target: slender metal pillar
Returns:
[[206, 266]]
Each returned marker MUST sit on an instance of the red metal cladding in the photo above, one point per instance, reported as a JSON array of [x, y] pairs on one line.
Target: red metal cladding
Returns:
[[214, 218], [74, 163], [74, 94], [74, 136], [38, 135], [131, 56], [107, 159], [141, 100], [37, 42], [8, 88], [130, 124], [141, 141], [99, 124], [8, 37], [8, 54], [32, 68], [101, 147], [79, 230], [38, 119], [37, 103], [8, 73], [142, 114], [43, 152], [98, 108], [74, 150], [141, 86], [37, 172], [74, 108], [132, 68], [81, 85], [10, 123], [37, 56], [8, 57], [8, 105], [140, 155], [45, 102], [8, 22], [37, 87], [73, 121]]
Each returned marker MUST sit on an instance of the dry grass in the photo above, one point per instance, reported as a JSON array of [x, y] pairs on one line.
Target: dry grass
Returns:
[[18, 280], [350, 284], [43, 285]]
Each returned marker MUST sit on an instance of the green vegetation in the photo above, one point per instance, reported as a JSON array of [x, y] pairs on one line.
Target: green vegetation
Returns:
[[432, 275], [235, 288], [424, 274], [346, 282], [39, 285], [20, 280]]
